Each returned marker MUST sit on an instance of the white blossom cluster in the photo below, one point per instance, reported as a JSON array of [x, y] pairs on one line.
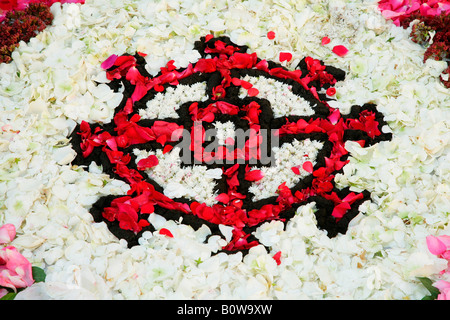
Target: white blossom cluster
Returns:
[[51, 85], [282, 100], [165, 105], [224, 131], [195, 182], [287, 156]]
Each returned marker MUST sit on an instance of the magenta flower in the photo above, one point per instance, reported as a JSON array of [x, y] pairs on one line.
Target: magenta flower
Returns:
[[15, 269]]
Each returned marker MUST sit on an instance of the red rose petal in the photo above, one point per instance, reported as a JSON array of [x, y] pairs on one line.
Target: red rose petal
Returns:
[[148, 162], [361, 142], [108, 63], [252, 92], [340, 50], [271, 35], [147, 208], [285, 56], [277, 257], [331, 91], [143, 223], [296, 170], [236, 81], [334, 116], [308, 166], [340, 210], [325, 40], [167, 148], [254, 175], [223, 197], [165, 232], [246, 85]]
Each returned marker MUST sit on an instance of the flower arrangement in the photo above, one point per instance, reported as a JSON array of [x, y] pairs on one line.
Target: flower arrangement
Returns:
[[229, 97], [58, 82]]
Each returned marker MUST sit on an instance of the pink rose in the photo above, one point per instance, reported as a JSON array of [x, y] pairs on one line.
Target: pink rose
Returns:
[[15, 269], [439, 246], [7, 233], [444, 288]]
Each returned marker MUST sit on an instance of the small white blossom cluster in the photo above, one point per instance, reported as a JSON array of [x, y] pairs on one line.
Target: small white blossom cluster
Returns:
[[195, 182], [287, 156], [282, 100], [224, 131], [51, 85], [165, 105]]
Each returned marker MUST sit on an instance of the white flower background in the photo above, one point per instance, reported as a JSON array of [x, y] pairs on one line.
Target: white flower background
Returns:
[[49, 87]]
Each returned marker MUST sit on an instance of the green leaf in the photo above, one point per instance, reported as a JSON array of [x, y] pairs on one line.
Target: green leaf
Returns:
[[428, 283], [9, 296], [38, 274]]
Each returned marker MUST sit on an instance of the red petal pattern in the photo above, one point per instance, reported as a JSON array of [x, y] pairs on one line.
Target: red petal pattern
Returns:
[[142, 196]]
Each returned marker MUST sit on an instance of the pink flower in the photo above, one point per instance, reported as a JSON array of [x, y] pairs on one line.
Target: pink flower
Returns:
[[444, 288], [439, 246], [15, 269], [7, 233]]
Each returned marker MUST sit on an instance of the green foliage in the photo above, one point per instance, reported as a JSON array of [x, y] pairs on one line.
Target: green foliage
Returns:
[[428, 283], [9, 296], [38, 274]]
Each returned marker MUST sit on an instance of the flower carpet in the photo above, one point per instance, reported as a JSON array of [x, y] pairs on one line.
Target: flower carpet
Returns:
[[224, 150]]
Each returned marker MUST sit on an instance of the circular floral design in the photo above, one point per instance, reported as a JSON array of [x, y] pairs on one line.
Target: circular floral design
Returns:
[[233, 93]]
